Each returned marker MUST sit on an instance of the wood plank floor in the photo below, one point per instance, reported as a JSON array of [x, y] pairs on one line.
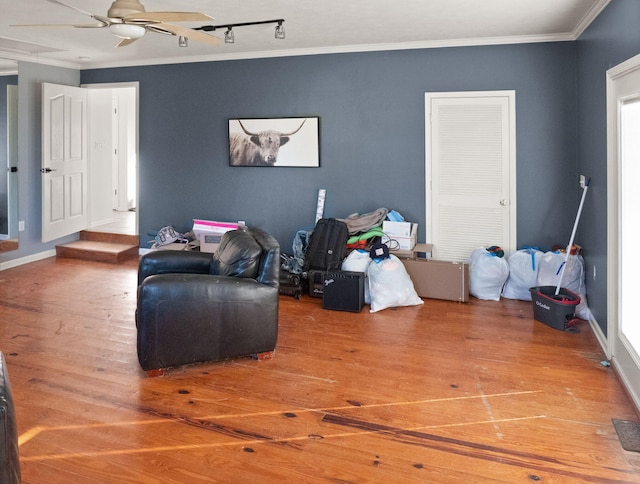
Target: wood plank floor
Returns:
[[443, 392]]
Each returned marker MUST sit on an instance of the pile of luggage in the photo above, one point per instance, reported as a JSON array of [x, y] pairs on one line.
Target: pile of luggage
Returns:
[[325, 248], [349, 253]]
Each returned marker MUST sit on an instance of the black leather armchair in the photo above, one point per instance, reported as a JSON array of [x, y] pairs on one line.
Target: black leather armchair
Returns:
[[198, 307], [9, 452]]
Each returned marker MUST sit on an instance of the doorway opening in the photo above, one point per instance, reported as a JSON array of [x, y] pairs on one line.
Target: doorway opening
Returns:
[[113, 132]]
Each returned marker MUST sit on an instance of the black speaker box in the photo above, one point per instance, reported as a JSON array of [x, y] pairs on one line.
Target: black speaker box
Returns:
[[343, 291]]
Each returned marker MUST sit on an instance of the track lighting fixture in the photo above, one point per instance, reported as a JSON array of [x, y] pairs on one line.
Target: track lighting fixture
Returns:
[[229, 36], [183, 41]]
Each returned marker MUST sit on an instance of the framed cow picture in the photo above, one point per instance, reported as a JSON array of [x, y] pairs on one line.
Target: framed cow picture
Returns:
[[279, 142]]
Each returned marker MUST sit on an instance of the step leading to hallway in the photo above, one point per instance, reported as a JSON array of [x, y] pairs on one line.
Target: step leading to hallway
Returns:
[[101, 247]]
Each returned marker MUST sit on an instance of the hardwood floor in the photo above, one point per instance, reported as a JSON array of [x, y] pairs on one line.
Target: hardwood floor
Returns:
[[443, 392]]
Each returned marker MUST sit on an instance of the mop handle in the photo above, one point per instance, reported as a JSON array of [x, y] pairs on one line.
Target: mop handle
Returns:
[[573, 235]]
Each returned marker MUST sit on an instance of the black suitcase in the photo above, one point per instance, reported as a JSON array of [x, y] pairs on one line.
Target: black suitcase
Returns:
[[327, 245], [290, 278], [291, 284], [293, 290]]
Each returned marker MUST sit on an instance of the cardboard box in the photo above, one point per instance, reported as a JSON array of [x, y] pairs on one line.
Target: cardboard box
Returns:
[[178, 246], [419, 251], [397, 229], [210, 242], [212, 227], [438, 279], [403, 233]]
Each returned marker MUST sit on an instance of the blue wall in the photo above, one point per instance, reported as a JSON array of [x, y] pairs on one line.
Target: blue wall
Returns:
[[30, 79], [613, 38], [371, 108]]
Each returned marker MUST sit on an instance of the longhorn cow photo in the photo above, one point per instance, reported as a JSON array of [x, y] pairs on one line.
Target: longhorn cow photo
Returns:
[[274, 142]]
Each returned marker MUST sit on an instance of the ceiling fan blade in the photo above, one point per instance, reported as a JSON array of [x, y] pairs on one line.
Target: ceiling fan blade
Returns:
[[91, 26], [189, 33], [79, 26], [106, 20], [167, 17], [71, 7], [125, 42]]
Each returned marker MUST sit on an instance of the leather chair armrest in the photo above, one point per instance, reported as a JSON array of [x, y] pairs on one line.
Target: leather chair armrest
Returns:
[[269, 271], [9, 448], [171, 262]]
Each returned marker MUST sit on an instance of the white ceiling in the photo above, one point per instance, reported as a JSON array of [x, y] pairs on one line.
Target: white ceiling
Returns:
[[312, 27]]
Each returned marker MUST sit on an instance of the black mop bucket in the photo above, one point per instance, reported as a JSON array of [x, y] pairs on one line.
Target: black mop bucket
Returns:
[[555, 306], [555, 310]]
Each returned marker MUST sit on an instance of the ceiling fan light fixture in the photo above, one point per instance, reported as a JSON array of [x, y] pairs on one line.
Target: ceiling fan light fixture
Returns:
[[122, 8], [280, 31], [183, 41], [229, 37], [127, 31]]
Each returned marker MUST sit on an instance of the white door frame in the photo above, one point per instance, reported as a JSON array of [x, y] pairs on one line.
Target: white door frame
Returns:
[[622, 360], [511, 202], [136, 86], [12, 161]]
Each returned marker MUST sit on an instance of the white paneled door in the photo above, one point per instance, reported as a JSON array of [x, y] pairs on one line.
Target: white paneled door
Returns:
[[470, 172], [64, 160]]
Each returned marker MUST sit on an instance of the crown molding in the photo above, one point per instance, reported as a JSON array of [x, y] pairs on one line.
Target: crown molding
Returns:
[[590, 16], [343, 49]]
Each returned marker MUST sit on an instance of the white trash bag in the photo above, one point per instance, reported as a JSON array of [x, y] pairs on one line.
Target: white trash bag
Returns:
[[390, 285], [573, 278], [523, 274], [487, 274], [358, 261]]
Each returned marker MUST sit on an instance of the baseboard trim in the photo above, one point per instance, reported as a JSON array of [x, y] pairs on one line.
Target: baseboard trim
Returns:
[[25, 260], [602, 339]]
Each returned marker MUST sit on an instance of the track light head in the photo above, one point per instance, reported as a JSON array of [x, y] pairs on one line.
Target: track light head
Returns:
[[229, 37]]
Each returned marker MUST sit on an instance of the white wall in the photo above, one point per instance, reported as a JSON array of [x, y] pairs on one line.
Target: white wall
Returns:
[[113, 151], [100, 114]]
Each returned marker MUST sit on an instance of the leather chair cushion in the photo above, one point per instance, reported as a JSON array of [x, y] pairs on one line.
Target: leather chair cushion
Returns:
[[238, 255]]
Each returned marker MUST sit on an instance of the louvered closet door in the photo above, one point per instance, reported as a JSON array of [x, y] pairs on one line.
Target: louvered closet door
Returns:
[[470, 172]]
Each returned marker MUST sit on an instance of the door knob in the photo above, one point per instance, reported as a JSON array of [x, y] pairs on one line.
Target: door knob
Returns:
[[503, 202], [46, 170]]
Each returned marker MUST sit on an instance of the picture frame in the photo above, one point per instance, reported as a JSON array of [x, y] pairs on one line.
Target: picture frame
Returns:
[[275, 142]]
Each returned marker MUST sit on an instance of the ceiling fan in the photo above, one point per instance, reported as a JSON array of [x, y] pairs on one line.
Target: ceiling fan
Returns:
[[128, 20]]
